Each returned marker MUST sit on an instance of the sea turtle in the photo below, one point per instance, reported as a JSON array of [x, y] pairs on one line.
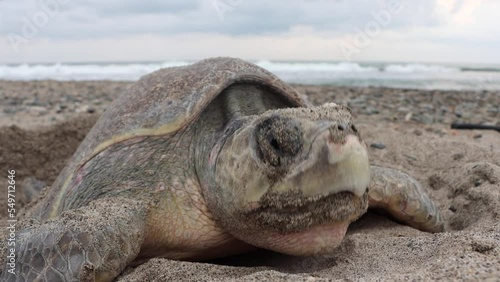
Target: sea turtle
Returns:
[[204, 161]]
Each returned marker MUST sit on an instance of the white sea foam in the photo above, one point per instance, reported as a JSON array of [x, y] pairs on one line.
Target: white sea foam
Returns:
[[82, 71], [319, 66], [419, 68], [424, 76]]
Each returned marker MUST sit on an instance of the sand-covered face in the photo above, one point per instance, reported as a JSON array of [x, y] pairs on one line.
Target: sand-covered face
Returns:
[[293, 179]]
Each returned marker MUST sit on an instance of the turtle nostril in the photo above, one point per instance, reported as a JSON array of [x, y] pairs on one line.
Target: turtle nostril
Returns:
[[341, 127]]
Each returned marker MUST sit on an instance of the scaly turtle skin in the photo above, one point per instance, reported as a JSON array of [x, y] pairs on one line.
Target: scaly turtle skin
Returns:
[[204, 161]]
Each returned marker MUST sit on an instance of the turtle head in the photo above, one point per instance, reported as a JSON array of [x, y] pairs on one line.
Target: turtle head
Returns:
[[291, 180]]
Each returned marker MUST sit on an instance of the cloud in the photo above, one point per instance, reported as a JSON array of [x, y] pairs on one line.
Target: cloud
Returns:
[[94, 19], [116, 30]]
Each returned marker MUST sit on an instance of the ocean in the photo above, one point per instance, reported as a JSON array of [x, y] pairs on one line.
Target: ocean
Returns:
[[393, 75]]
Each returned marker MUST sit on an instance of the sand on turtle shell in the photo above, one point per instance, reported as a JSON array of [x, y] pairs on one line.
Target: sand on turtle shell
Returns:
[[459, 169]]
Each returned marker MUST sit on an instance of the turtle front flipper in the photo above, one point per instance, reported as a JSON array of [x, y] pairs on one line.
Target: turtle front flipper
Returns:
[[402, 197], [93, 243]]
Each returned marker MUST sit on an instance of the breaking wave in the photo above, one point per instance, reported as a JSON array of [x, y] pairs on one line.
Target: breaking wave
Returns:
[[411, 75]]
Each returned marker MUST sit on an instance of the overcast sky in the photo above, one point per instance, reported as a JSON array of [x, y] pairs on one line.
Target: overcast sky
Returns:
[[455, 31]]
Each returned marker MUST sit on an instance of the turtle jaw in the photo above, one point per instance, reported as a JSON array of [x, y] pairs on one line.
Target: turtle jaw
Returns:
[[296, 225], [314, 228], [318, 240]]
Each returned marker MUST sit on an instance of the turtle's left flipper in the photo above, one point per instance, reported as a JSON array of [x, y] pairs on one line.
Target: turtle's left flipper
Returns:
[[93, 243], [402, 197]]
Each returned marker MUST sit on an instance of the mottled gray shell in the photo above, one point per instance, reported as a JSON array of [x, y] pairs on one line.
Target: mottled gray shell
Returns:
[[167, 100]]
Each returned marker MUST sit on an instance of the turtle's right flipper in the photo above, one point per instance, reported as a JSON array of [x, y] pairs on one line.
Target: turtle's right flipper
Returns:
[[93, 243], [401, 196]]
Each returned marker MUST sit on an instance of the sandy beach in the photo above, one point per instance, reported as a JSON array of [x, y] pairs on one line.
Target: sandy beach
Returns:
[[43, 122]]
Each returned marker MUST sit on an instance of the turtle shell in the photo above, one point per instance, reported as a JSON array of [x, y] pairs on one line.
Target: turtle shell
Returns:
[[167, 100]]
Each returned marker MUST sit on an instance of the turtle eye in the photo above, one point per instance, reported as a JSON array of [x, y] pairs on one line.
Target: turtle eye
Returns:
[[279, 139], [275, 144]]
